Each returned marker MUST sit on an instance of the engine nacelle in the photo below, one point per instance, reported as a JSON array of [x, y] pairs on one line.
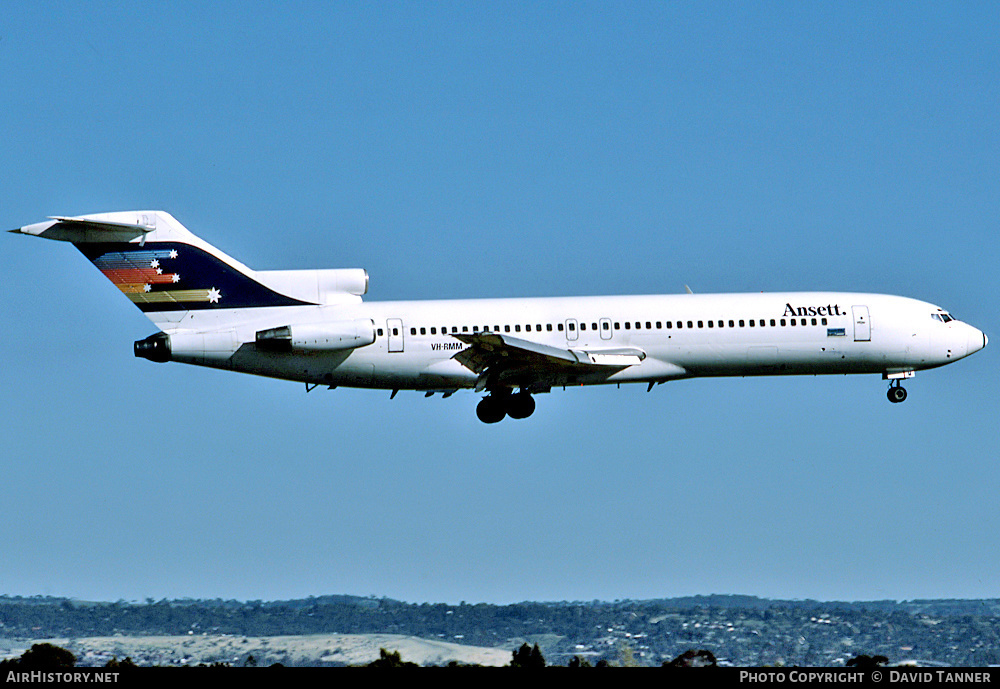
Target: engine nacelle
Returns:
[[318, 337], [209, 348], [328, 286], [340, 280]]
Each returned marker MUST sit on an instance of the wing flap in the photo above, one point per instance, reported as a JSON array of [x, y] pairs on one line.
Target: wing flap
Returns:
[[495, 357]]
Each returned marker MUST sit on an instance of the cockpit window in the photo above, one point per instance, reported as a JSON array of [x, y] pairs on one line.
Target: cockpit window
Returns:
[[942, 316]]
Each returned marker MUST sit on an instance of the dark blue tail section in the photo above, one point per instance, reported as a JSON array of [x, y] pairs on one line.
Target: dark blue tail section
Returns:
[[174, 276]]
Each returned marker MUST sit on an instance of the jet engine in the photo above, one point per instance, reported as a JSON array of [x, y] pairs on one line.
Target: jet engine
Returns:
[[318, 337]]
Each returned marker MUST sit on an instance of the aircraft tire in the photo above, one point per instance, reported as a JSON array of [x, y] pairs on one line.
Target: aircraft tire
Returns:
[[896, 394], [490, 410], [520, 406]]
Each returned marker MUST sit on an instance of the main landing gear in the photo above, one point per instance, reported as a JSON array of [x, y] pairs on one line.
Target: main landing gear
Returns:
[[498, 404], [897, 393]]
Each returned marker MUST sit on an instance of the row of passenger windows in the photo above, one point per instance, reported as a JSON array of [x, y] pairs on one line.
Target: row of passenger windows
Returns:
[[605, 326]]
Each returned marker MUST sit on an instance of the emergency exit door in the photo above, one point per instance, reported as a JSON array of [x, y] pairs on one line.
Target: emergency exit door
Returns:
[[395, 332]]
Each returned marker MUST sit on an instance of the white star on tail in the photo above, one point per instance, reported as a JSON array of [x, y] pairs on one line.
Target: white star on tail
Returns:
[[214, 295], [173, 253]]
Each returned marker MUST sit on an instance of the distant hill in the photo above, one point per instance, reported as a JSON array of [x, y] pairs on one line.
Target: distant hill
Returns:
[[742, 630]]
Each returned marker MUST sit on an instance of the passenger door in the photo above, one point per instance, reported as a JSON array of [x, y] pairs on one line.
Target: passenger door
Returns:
[[862, 324]]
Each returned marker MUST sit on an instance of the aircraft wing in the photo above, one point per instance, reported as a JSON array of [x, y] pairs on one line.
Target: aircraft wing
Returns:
[[502, 359]]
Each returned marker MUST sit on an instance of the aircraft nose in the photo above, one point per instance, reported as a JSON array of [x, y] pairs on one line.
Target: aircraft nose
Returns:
[[977, 340]]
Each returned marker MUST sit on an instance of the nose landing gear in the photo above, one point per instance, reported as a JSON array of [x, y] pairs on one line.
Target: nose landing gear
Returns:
[[896, 393]]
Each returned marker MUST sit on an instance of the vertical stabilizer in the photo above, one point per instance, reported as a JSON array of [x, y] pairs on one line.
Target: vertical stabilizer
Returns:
[[164, 269]]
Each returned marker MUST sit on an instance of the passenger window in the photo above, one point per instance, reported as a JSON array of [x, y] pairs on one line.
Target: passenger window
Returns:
[[628, 325], [782, 321], [506, 328], [711, 324], [465, 328], [593, 326], [680, 324], [423, 331], [649, 326], [822, 321], [618, 326], [638, 325], [659, 325], [583, 326], [548, 327], [751, 322], [413, 331], [793, 321], [742, 323], [572, 327], [690, 324], [722, 324], [395, 332], [732, 324], [670, 324], [605, 326], [527, 328], [559, 327], [814, 321], [772, 322], [517, 328], [380, 332], [701, 324]]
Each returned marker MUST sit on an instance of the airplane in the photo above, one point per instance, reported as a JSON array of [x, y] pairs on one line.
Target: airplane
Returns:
[[312, 326]]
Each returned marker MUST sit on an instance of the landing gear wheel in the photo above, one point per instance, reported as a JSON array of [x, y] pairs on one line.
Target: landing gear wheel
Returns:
[[520, 406], [491, 410], [896, 394]]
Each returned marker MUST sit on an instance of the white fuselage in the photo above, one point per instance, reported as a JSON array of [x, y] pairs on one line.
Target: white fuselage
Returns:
[[682, 336]]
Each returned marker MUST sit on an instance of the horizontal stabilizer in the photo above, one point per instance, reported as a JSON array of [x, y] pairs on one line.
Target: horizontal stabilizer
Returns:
[[89, 230]]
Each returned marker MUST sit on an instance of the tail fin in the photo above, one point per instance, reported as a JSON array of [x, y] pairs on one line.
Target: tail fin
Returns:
[[159, 265]]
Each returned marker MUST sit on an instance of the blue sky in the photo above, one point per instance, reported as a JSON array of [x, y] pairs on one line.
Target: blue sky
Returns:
[[485, 150]]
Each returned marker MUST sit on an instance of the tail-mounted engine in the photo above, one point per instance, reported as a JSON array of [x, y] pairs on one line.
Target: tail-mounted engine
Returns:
[[319, 337]]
